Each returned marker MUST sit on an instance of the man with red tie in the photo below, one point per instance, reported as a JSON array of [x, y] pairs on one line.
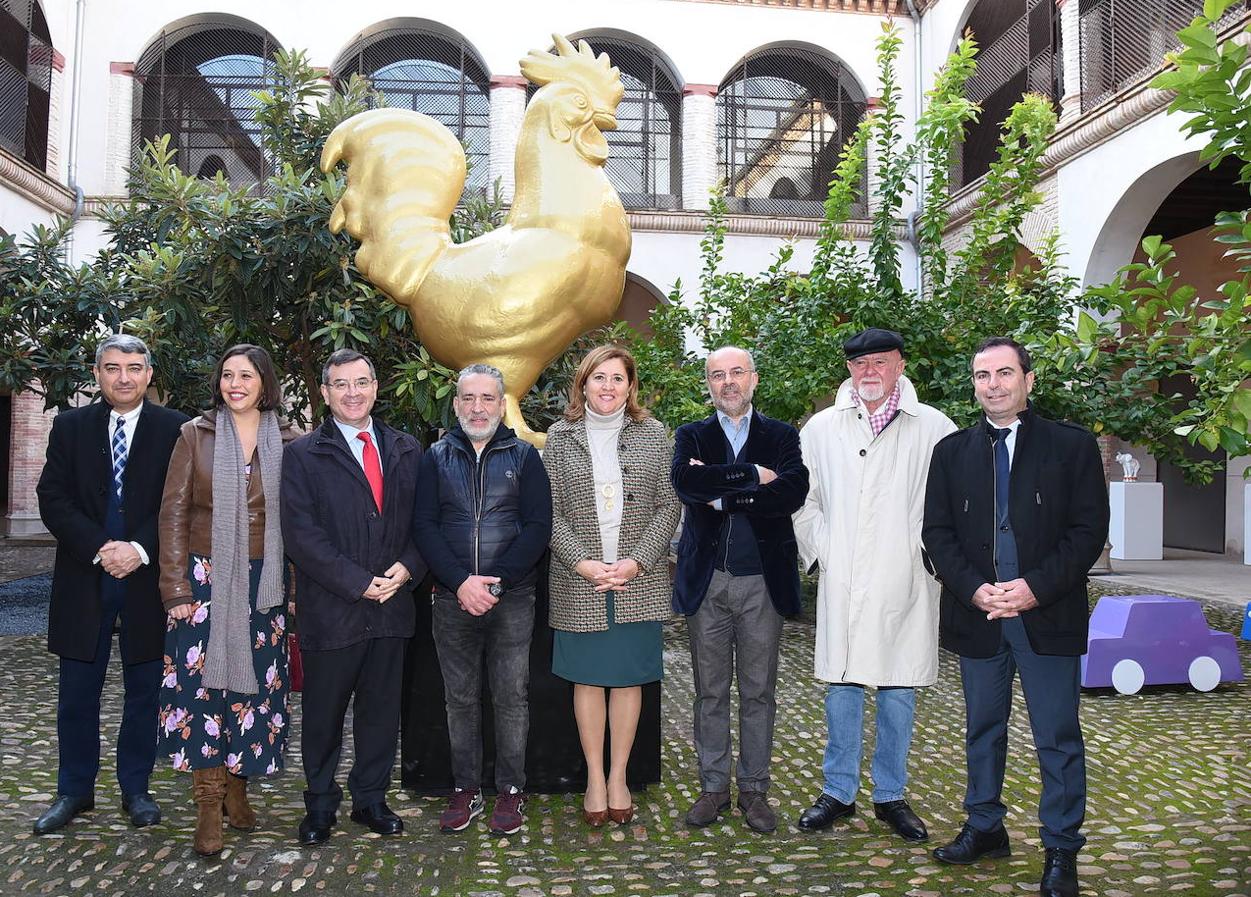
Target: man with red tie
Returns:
[[347, 499]]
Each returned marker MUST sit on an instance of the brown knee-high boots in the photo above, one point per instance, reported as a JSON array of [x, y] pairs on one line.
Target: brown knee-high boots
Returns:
[[239, 812], [209, 788]]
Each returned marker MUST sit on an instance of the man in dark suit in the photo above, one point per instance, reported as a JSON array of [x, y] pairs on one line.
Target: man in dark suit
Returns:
[[1016, 511], [99, 495], [347, 499], [741, 475]]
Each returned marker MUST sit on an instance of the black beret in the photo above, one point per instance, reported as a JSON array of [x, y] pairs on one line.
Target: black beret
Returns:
[[873, 339]]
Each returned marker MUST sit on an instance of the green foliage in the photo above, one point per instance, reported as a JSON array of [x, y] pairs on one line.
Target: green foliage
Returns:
[[796, 323], [1159, 363], [196, 265]]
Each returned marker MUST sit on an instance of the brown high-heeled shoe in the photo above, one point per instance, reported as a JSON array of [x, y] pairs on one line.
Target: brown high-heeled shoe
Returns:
[[594, 818], [621, 817]]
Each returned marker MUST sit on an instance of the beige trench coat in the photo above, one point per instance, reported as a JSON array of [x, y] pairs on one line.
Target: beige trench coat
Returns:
[[877, 607]]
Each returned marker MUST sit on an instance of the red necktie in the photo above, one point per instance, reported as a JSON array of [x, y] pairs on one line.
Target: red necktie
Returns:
[[373, 469]]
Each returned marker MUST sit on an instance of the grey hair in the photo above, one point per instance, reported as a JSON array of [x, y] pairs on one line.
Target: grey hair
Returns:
[[345, 356], [751, 358], [125, 343], [470, 370]]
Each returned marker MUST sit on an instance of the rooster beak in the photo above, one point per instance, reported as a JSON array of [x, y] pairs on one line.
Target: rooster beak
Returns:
[[605, 121]]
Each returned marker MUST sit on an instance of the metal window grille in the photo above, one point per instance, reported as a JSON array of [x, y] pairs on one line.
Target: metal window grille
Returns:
[[1122, 41], [783, 117], [196, 83], [1018, 44], [440, 76], [25, 80]]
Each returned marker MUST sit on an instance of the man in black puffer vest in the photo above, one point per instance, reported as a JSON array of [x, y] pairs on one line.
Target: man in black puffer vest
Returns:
[[482, 520]]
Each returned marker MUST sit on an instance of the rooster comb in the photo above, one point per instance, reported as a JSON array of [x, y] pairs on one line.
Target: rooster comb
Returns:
[[594, 74]]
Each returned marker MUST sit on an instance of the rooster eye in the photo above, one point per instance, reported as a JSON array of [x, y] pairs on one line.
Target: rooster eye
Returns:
[[580, 101]]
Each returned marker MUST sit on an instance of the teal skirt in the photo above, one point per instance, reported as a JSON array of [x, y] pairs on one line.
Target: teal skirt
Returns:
[[620, 656]]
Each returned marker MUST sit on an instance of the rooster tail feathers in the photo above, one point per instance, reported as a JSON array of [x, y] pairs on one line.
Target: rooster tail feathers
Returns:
[[405, 175]]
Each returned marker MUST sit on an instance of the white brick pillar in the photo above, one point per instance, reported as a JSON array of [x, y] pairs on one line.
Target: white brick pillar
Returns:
[[119, 128], [27, 446], [56, 107], [699, 144], [1071, 49], [508, 108]]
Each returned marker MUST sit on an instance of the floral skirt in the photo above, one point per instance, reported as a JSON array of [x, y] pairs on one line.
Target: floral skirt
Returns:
[[200, 728]]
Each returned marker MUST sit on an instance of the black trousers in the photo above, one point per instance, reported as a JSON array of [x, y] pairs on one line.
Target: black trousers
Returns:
[[369, 675], [78, 709]]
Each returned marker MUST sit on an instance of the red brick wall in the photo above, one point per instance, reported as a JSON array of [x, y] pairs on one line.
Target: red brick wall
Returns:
[[28, 444]]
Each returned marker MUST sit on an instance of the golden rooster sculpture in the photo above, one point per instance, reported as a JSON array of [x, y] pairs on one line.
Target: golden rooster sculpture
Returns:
[[517, 296]]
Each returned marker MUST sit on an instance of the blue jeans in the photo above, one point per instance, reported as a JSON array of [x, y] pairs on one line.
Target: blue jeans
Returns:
[[844, 720]]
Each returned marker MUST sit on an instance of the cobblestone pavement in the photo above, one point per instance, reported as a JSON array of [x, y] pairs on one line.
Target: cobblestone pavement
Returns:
[[1169, 811]]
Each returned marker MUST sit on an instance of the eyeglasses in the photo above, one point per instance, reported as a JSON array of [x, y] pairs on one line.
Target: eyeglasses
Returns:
[[361, 384], [732, 373]]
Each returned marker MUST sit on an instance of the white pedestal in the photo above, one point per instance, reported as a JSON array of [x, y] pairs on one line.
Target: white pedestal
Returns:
[[1246, 524], [1137, 526]]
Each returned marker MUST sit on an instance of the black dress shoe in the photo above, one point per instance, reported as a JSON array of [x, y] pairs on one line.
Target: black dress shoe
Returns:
[[823, 813], [1059, 878], [379, 818], [63, 809], [971, 845], [899, 816], [141, 809], [315, 828]]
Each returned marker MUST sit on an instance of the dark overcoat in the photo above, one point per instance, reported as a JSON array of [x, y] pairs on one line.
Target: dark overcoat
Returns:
[[1058, 505], [73, 495], [770, 443], [339, 541]]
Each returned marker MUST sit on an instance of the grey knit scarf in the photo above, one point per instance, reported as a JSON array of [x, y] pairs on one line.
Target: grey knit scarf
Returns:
[[228, 661]]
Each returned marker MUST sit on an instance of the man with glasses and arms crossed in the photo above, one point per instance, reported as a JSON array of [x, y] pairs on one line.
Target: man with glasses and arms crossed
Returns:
[[741, 476]]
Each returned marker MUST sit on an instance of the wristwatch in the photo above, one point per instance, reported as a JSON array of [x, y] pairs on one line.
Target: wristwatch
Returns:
[[496, 589]]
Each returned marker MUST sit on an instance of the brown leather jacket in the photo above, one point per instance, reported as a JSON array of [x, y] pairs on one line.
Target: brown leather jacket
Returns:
[[186, 521]]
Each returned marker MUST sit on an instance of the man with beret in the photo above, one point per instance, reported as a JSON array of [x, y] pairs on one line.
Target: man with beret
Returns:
[[877, 607]]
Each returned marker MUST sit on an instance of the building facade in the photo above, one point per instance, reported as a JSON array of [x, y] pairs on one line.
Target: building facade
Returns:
[[757, 94]]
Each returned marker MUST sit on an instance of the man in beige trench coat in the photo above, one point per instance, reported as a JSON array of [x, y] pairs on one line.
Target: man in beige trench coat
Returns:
[[877, 608]]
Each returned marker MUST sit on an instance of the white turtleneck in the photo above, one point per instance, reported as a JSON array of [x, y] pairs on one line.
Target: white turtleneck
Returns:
[[602, 434]]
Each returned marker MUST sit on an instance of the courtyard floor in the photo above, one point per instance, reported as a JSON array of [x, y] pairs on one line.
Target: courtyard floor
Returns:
[[1169, 810]]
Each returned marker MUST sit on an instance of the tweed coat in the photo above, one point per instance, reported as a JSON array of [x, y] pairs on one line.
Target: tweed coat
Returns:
[[650, 515]]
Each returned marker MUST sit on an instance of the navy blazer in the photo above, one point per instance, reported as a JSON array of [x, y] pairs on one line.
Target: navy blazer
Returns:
[[339, 540], [73, 501], [1058, 504], [770, 443]]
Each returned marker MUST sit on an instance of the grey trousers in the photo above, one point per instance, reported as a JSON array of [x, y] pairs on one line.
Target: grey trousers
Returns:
[[736, 629]]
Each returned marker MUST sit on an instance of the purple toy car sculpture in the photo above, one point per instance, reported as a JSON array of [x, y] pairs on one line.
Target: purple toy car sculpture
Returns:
[[1138, 640]]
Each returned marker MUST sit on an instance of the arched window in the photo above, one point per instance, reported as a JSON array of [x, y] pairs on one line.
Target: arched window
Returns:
[[783, 116], [645, 152], [428, 68], [1017, 54], [195, 82], [25, 80]]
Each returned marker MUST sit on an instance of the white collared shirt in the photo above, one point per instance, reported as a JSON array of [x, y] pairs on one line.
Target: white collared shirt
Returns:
[[350, 433], [130, 420], [1010, 439]]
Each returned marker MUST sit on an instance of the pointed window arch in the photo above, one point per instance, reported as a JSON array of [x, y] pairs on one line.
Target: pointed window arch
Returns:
[[431, 69], [195, 82], [783, 116], [25, 80]]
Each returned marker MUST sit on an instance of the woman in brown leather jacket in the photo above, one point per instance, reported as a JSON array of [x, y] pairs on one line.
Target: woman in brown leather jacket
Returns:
[[223, 699]]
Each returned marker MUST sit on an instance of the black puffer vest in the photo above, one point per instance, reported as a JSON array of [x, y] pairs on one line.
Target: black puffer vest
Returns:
[[479, 498]]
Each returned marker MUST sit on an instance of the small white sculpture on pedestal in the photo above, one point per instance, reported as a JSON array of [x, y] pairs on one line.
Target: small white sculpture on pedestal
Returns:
[[1129, 467]]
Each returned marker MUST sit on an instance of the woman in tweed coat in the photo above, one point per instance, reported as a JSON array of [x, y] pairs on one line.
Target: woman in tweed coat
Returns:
[[614, 512]]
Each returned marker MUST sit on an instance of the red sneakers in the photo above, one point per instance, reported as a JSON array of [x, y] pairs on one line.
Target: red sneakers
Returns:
[[462, 807], [507, 817]]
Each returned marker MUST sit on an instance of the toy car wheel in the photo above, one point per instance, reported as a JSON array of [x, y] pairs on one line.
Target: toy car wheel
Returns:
[[1128, 676], [1204, 673]]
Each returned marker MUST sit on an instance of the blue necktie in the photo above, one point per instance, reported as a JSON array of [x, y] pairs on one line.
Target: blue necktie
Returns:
[[1003, 470], [119, 456]]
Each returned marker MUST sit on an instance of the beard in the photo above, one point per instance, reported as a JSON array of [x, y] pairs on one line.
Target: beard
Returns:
[[733, 403], [871, 392], [480, 432]]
